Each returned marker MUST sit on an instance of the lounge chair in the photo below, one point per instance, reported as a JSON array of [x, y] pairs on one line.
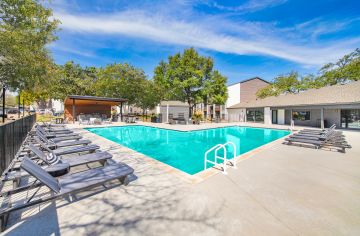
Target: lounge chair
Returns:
[[315, 131], [51, 134], [65, 185], [318, 143], [55, 131], [325, 136], [83, 119], [56, 139], [49, 125], [65, 150], [62, 144], [57, 166]]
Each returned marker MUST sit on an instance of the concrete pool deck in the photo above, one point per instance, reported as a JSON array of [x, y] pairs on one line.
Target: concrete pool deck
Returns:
[[282, 190]]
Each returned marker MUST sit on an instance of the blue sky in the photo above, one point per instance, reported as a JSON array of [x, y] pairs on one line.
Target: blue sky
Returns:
[[246, 38]]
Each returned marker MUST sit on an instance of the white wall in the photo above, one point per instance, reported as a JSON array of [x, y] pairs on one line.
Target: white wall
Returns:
[[233, 95], [58, 105], [281, 116], [236, 115], [267, 115]]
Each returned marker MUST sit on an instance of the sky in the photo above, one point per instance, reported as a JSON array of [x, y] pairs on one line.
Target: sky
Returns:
[[263, 38]]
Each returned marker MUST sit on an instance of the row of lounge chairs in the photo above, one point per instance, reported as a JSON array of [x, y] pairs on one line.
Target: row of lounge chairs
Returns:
[[329, 138], [47, 159]]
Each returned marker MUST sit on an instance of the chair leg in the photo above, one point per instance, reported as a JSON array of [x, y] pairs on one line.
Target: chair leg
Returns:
[[125, 180], [3, 221]]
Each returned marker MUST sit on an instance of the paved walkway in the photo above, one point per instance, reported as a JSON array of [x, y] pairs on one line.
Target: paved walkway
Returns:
[[284, 190]]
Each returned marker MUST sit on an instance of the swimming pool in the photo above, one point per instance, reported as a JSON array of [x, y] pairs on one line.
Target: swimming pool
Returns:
[[185, 150]]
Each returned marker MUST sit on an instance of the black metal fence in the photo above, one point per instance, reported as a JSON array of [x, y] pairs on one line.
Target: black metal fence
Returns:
[[11, 137]]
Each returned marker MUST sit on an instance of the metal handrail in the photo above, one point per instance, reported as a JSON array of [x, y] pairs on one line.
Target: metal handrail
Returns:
[[216, 148], [234, 148], [224, 158]]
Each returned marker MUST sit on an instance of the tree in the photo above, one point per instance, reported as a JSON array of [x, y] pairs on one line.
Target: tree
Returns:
[[149, 97], [215, 89], [72, 79], [26, 27], [120, 80], [288, 83], [344, 70], [187, 77]]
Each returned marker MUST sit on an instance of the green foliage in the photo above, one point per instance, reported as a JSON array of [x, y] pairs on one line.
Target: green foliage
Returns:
[[26, 27], [189, 77], [72, 79], [149, 96], [120, 80], [345, 69], [197, 116]]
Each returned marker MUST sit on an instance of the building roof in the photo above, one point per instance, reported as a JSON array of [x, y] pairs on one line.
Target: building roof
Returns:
[[336, 94], [94, 98], [244, 81], [174, 103]]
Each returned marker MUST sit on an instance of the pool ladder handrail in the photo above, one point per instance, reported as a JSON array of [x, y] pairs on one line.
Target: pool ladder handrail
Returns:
[[223, 165]]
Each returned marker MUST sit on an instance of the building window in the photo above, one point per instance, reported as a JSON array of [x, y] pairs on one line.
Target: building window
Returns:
[[255, 115], [350, 119], [301, 115]]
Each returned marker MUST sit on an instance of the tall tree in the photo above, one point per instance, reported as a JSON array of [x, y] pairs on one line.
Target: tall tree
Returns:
[[26, 27], [344, 70], [150, 95], [186, 77], [72, 79], [120, 80]]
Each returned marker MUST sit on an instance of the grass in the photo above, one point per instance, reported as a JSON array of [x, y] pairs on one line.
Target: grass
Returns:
[[45, 118]]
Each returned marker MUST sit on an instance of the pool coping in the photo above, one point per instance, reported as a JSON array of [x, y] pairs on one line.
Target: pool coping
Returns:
[[204, 174]]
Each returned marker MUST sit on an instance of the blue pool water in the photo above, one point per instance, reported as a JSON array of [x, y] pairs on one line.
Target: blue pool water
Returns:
[[185, 150]]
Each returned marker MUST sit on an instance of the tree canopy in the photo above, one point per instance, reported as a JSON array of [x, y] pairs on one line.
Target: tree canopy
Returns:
[[344, 70], [26, 27], [190, 77]]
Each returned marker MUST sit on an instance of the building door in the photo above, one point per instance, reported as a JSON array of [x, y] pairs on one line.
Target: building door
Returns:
[[274, 116], [350, 118]]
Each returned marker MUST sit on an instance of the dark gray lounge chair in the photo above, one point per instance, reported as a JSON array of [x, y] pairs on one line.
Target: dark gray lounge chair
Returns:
[[65, 185], [51, 145], [315, 131], [55, 165], [59, 139], [53, 134], [341, 144], [66, 150], [54, 131], [325, 136]]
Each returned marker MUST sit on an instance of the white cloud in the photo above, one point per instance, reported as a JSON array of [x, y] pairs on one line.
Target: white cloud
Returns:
[[215, 34], [249, 6]]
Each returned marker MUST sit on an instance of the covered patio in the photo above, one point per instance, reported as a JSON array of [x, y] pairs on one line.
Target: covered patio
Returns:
[[74, 105]]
